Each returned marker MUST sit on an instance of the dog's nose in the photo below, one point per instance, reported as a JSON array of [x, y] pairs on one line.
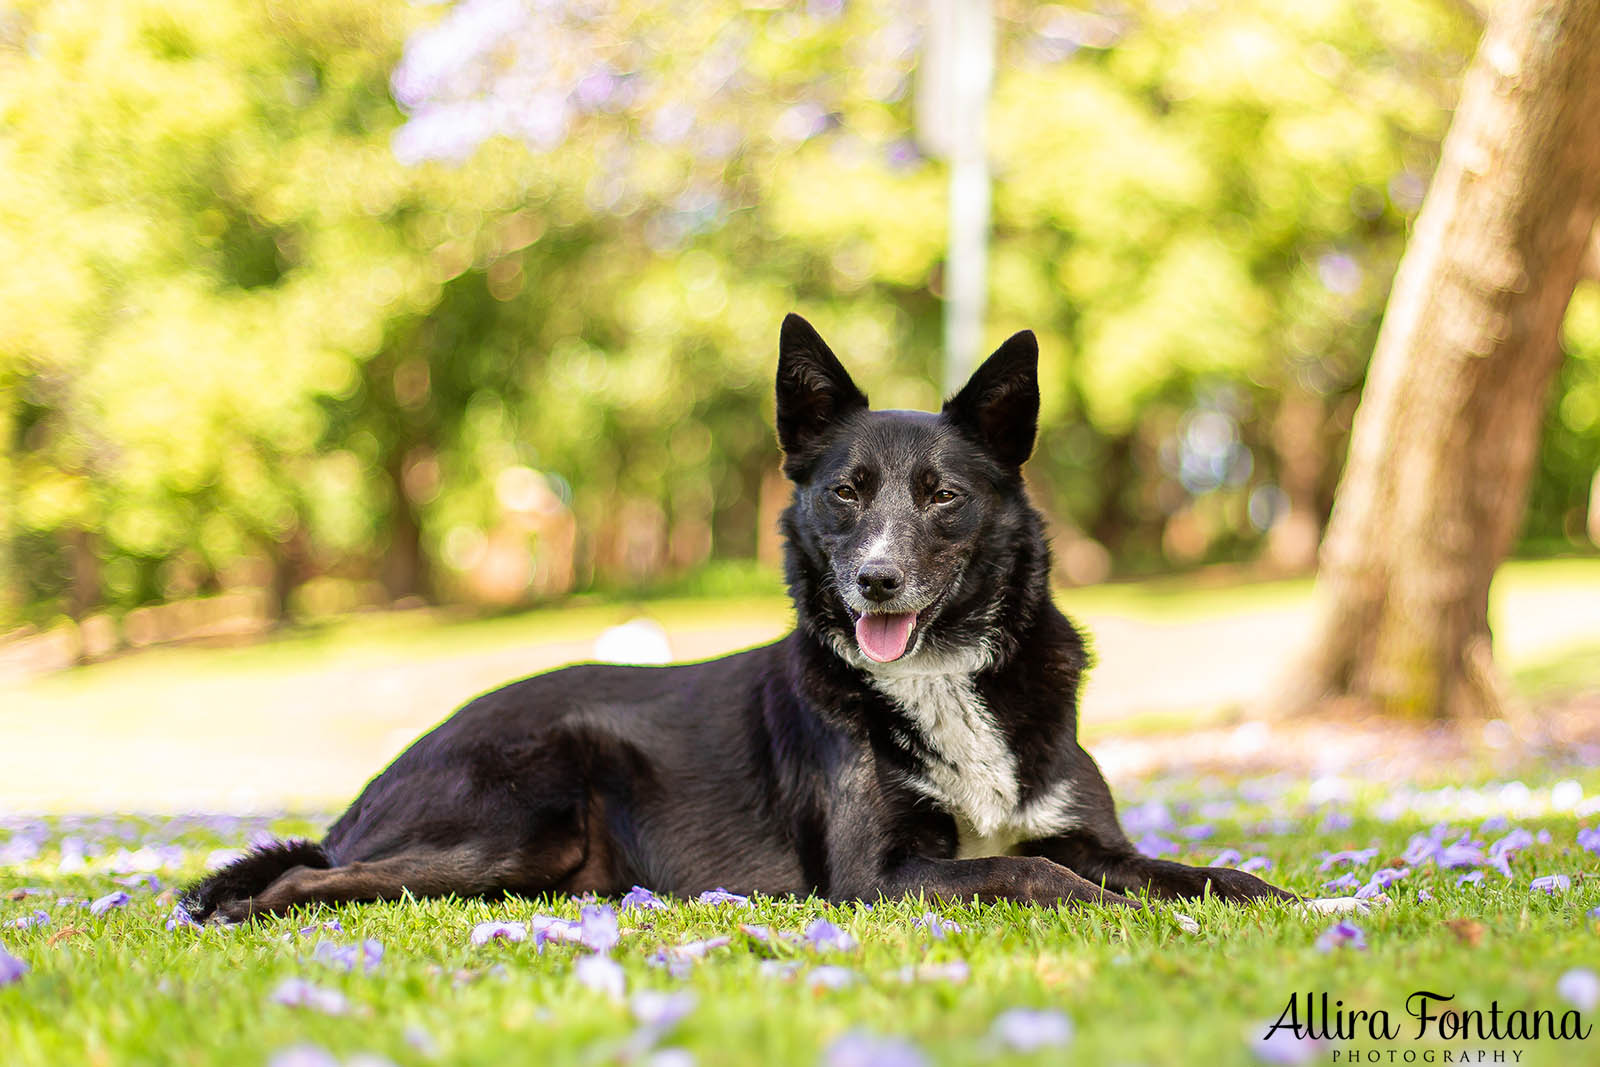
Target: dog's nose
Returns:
[[880, 581]]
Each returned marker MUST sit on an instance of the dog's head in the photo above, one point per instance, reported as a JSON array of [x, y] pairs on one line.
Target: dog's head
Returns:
[[905, 525]]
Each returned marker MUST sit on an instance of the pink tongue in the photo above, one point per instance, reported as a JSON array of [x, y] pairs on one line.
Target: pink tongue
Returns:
[[884, 637]]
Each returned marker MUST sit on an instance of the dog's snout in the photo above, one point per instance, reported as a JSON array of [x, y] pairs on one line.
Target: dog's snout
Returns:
[[880, 581]]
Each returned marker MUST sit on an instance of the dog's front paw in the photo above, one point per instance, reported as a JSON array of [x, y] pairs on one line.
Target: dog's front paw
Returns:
[[1341, 905]]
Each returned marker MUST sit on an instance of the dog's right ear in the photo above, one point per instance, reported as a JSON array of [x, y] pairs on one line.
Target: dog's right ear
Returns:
[[814, 391]]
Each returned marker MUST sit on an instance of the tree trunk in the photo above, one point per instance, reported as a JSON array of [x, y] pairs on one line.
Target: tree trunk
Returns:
[[1445, 438]]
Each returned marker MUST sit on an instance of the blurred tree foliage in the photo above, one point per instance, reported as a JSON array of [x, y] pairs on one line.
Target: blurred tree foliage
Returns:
[[263, 326]]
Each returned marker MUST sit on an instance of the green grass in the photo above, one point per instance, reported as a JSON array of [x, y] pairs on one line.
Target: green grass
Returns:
[[121, 989]]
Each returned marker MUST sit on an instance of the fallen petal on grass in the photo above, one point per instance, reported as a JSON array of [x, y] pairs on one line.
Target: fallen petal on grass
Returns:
[[860, 1049], [830, 977], [11, 968], [661, 1011], [722, 896], [1579, 987], [483, 933], [1551, 884], [299, 993], [1343, 934], [601, 974], [1026, 1030], [641, 898], [824, 935], [367, 954], [597, 929], [109, 901]]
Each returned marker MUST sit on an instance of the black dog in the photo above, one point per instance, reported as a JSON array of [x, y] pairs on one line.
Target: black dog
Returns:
[[916, 733]]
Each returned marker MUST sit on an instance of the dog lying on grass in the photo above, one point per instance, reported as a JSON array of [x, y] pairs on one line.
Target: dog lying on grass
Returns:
[[915, 733]]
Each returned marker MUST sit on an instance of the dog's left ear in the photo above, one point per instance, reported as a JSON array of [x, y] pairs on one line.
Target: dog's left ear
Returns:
[[999, 405], [814, 389]]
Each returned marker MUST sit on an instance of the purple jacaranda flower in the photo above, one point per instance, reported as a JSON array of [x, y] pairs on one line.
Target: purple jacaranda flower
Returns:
[[601, 974], [1461, 853], [1144, 818], [1023, 1030], [1336, 821], [303, 1056], [1356, 857], [1227, 857], [1550, 883], [550, 928], [1155, 846], [1420, 849], [483, 933], [1589, 839], [11, 968], [768, 936], [955, 971], [1284, 1046], [936, 926], [1542, 837], [1347, 880], [1579, 987], [860, 1049], [597, 929], [830, 977], [1382, 879], [1594, 913], [677, 958], [1198, 831], [824, 935], [180, 919], [1471, 878], [109, 901], [1515, 841], [143, 881], [368, 954], [1343, 934], [1255, 863], [332, 926], [1424, 895], [36, 918], [641, 898], [1494, 824], [660, 1011], [722, 896], [299, 993]]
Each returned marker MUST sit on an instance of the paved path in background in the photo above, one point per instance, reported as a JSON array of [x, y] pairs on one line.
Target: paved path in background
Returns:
[[312, 735]]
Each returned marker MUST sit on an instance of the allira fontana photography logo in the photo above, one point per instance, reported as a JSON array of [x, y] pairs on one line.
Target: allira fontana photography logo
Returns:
[[1429, 1017]]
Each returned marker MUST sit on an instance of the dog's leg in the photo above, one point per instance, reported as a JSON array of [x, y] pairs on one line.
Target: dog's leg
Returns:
[[873, 851], [434, 873], [1028, 879], [1096, 848], [1120, 866]]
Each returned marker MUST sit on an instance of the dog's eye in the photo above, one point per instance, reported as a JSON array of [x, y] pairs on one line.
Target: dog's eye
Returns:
[[845, 493], [943, 496]]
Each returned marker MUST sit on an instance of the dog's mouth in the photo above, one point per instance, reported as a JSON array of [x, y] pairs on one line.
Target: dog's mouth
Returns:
[[884, 636]]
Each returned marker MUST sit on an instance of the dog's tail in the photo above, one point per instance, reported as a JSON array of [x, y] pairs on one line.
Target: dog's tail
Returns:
[[248, 875]]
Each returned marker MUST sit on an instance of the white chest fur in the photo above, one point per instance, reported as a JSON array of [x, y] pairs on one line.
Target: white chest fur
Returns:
[[973, 773]]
